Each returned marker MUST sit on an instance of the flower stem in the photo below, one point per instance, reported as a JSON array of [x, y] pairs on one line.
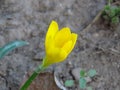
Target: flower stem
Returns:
[[32, 77]]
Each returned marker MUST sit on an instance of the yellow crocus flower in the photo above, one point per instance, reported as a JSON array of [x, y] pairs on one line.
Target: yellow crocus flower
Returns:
[[58, 44]]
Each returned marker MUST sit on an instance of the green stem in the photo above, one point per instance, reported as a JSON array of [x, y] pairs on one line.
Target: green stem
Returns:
[[32, 77]]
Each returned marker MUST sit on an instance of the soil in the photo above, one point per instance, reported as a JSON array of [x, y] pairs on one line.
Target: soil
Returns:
[[98, 47]]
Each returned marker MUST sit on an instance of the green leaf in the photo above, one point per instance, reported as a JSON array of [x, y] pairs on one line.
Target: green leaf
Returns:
[[69, 83], [112, 12], [117, 11], [107, 8], [89, 88], [10, 46], [82, 73], [92, 73], [82, 83], [115, 20]]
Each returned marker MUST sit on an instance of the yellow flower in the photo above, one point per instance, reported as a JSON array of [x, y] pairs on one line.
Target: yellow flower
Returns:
[[58, 44]]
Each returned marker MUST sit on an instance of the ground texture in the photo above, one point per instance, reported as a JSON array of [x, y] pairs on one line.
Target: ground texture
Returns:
[[97, 47]]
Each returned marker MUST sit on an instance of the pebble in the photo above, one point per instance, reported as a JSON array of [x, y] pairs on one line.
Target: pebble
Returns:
[[88, 79], [76, 73], [35, 33]]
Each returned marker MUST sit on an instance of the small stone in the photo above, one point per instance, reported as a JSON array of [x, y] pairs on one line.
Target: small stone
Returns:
[[88, 79], [96, 35], [69, 64], [35, 33], [76, 73]]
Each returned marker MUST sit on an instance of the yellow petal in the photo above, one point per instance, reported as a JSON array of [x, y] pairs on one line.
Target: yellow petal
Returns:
[[54, 56], [62, 37], [68, 47], [52, 51], [74, 39], [57, 57], [58, 44], [52, 30], [62, 56]]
